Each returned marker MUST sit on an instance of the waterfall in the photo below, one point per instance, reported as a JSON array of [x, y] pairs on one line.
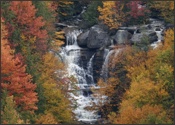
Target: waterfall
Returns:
[[105, 67], [83, 97], [159, 35], [90, 78], [158, 27], [104, 71]]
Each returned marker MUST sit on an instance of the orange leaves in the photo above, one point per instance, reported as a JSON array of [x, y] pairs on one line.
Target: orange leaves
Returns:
[[15, 79], [28, 23], [25, 11]]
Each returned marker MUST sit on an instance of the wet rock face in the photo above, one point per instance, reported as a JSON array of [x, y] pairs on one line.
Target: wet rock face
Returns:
[[98, 60], [97, 65], [86, 54], [94, 38]]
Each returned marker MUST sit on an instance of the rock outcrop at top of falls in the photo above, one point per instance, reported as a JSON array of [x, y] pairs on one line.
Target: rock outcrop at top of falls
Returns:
[[82, 39], [99, 36], [94, 38]]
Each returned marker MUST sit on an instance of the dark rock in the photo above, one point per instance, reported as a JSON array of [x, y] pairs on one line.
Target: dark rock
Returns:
[[149, 27], [83, 25], [97, 64], [82, 39], [86, 54], [138, 31], [122, 37], [103, 27], [97, 38], [157, 29], [112, 32]]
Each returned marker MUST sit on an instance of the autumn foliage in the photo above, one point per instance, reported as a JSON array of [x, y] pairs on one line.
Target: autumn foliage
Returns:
[[14, 77], [140, 87], [29, 24], [150, 93], [116, 13], [111, 15]]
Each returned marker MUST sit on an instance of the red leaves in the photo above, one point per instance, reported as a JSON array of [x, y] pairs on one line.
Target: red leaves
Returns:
[[136, 9], [15, 79], [29, 24]]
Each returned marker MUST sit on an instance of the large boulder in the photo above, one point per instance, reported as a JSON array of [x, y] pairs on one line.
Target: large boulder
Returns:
[[151, 35], [122, 37], [82, 39], [97, 38]]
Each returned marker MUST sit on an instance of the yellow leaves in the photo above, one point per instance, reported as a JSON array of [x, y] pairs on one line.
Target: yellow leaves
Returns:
[[46, 119], [23, 37], [65, 3], [27, 40], [144, 92], [111, 16], [59, 35], [169, 38], [58, 40], [56, 103], [166, 9], [132, 115], [9, 114], [112, 117], [171, 5]]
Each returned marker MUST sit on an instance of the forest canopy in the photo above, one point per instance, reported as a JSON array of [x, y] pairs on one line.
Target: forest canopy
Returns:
[[34, 77]]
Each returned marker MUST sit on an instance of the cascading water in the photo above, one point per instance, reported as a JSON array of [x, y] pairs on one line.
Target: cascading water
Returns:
[[104, 71], [105, 67], [83, 97], [159, 35], [158, 27]]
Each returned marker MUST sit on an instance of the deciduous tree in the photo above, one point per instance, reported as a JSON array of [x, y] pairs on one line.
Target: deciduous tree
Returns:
[[112, 15], [14, 77], [27, 22]]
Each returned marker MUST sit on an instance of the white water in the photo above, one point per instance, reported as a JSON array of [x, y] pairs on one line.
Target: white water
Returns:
[[82, 97], [157, 24], [156, 43]]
